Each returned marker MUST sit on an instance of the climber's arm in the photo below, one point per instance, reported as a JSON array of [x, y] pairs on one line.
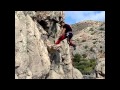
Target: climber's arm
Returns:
[[63, 31]]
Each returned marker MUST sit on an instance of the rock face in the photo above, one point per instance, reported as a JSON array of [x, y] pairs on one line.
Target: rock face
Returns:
[[100, 68], [89, 36], [35, 55]]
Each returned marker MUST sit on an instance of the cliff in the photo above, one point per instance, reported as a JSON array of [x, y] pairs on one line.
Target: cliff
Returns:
[[35, 55]]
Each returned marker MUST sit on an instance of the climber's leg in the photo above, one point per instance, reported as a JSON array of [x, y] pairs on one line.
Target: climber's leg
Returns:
[[69, 37], [60, 39]]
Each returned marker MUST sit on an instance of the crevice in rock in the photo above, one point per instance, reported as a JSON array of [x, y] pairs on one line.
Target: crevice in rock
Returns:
[[102, 74], [43, 24], [46, 76], [16, 67]]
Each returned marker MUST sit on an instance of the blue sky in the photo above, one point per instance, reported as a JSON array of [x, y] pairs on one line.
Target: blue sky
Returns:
[[72, 17]]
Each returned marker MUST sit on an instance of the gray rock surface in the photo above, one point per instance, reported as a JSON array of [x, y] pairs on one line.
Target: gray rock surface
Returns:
[[35, 58]]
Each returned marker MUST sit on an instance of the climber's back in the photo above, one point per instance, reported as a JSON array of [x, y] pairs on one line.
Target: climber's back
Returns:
[[66, 26]]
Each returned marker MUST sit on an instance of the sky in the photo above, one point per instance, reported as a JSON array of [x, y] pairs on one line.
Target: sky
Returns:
[[72, 17]]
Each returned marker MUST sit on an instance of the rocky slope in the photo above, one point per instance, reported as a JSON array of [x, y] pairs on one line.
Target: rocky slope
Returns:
[[35, 57], [89, 37]]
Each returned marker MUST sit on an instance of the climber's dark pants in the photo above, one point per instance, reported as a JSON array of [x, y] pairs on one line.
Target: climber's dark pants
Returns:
[[70, 35]]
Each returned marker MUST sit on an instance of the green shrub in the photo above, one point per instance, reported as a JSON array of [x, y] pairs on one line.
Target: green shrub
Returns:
[[86, 66], [91, 29], [84, 55]]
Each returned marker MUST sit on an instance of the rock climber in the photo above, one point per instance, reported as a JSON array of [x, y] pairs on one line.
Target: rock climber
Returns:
[[66, 33]]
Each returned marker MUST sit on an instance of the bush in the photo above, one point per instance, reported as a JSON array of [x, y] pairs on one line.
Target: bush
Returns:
[[86, 66], [84, 55], [91, 29]]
